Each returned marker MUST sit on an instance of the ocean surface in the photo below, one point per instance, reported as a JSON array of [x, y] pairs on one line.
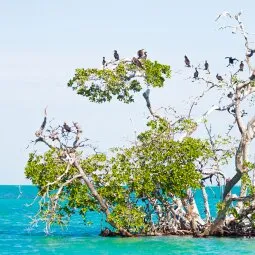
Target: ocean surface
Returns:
[[17, 236]]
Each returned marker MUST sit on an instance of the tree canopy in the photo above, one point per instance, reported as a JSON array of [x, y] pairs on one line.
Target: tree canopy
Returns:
[[147, 188], [119, 79]]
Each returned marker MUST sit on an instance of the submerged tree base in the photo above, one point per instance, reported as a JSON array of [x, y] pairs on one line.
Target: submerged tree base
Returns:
[[108, 233], [230, 230]]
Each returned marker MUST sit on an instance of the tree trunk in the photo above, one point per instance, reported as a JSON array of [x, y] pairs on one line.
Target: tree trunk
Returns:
[[100, 200], [206, 205]]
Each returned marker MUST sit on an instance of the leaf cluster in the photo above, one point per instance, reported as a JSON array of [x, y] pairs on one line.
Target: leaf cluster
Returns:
[[120, 82]]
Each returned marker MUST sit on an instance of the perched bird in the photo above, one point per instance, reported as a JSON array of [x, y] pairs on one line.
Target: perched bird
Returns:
[[187, 61], [250, 54], [243, 113], [231, 60], [241, 66], [66, 127], [195, 74], [140, 53], [137, 62], [230, 95], [252, 77], [116, 55], [219, 78], [103, 62], [231, 110], [206, 66]]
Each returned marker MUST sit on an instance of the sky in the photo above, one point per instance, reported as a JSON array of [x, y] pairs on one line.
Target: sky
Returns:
[[43, 42]]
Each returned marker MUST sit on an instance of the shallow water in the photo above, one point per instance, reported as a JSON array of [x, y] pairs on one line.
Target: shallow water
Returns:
[[16, 236]]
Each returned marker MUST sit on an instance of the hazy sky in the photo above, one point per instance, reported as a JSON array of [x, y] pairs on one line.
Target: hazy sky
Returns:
[[42, 42]]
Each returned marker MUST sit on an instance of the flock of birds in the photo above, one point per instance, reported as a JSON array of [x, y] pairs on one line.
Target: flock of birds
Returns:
[[141, 54], [231, 62]]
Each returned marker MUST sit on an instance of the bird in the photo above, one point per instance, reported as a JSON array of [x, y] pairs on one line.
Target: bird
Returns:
[[219, 78], [103, 62], [187, 61], [137, 62], [252, 77], [140, 53], [231, 110], [225, 14], [243, 113], [230, 94], [206, 66], [66, 127], [241, 66], [116, 55], [195, 74], [145, 55], [250, 54], [231, 60]]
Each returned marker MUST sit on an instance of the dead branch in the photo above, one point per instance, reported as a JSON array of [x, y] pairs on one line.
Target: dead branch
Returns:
[[146, 96]]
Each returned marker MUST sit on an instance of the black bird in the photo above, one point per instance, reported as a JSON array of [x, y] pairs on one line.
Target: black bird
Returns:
[[250, 54], [231, 110], [206, 66], [140, 53], [104, 62], [187, 61], [116, 55], [231, 60], [219, 78], [252, 77], [137, 62], [230, 95], [66, 127], [196, 74], [241, 66], [243, 113]]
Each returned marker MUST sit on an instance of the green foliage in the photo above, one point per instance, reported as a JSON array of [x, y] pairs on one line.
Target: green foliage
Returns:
[[236, 80], [80, 198], [249, 165], [132, 218], [252, 83], [122, 81], [224, 149], [155, 73], [155, 166], [220, 206], [43, 169], [158, 162], [246, 180], [234, 212], [185, 125]]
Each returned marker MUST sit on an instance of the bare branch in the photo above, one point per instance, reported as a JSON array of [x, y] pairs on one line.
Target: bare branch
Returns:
[[39, 132]]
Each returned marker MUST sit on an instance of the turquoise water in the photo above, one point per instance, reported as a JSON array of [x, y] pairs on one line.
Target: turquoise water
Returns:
[[17, 237]]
